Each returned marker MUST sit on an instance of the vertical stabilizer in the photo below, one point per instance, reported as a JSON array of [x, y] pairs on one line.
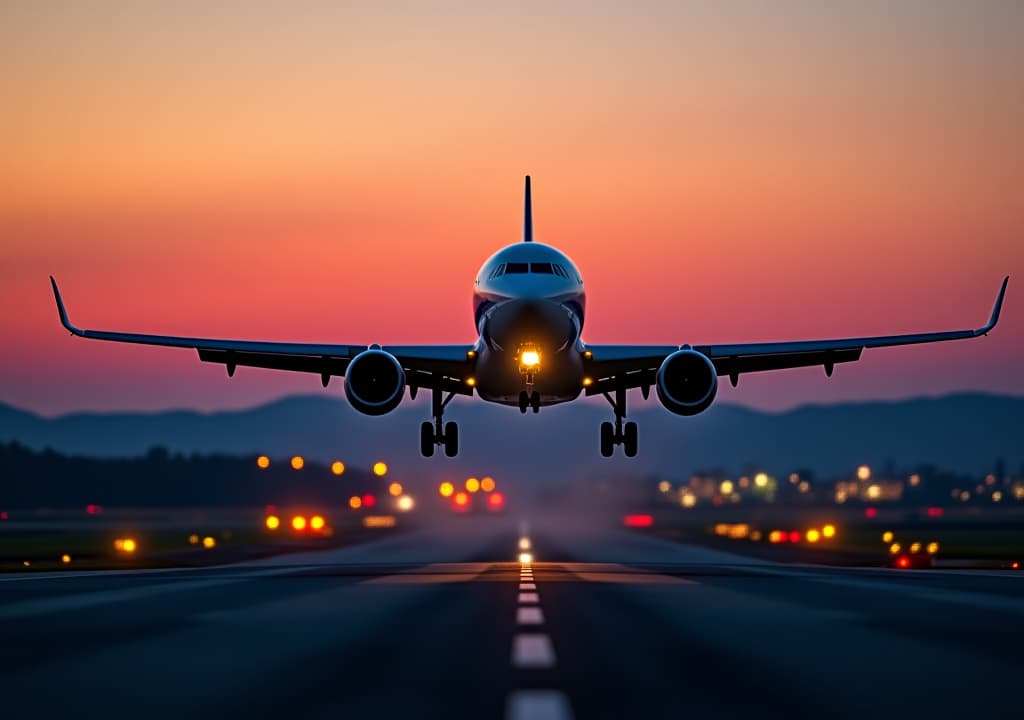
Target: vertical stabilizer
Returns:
[[527, 214]]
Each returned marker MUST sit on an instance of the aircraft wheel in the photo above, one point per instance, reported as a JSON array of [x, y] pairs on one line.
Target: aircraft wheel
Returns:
[[535, 402], [524, 401], [451, 439], [427, 439], [629, 439], [607, 439]]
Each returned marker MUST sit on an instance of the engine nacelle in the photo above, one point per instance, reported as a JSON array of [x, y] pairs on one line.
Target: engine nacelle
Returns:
[[687, 382], [374, 382]]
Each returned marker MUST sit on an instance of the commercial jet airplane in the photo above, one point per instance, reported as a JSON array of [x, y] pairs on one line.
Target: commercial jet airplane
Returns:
[[528, 306]]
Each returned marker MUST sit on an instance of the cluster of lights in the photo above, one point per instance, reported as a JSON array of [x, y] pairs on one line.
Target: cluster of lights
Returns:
[[903, 555], [811, 536], [126, 545], [462, 500], [298, 523]]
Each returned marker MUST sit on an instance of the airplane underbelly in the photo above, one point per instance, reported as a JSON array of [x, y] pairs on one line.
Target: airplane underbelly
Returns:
[[499, 380]]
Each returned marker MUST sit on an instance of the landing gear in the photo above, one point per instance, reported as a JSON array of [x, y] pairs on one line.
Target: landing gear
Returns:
[[619, 433], [438, 432], [529, 400]]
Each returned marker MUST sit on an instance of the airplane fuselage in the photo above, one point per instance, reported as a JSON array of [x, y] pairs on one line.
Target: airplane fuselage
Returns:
[[529, 298]]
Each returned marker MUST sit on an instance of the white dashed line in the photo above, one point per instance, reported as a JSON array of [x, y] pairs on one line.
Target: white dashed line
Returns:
[[527, 586], [538, 705], [532, 651], [528, 597], [529, 616]]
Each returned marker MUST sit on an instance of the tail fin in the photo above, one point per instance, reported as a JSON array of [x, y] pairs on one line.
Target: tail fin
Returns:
[[528, 214]]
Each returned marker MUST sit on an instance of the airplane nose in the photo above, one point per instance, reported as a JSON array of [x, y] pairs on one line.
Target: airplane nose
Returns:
[[545, 323]]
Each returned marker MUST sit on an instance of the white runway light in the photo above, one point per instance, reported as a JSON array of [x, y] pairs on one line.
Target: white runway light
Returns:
[[525, 558]]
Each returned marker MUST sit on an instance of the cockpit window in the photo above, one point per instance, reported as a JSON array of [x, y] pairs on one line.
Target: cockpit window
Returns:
[[497, 272], [560, 271], [542, 267], [516, 268]]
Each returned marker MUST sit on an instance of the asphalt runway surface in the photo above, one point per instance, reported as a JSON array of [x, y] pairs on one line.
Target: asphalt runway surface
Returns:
[[446, 623]]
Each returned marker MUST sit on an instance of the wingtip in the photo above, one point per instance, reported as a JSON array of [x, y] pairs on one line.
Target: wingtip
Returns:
[[61, 310], [998, 306]]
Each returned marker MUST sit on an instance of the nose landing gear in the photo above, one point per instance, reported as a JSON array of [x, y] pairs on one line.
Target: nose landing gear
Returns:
[[529, 400], [619, 433], [439, 432]]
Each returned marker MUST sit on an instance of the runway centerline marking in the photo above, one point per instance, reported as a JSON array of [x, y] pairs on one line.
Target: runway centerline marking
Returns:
[[532, 650], [528, 586], [529, 597], [538, 705], [529, 616]]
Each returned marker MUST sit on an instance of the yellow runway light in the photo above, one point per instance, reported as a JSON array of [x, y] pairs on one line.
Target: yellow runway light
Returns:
[[262, 462], [380, 469], [65, 558], [395, 489], [298, 462], [209, 542], [337, 467], [487, 484], [828, 532], [298, 523], [813, 535], [317, 522], [472, 484], [355, 502], [446, 489], [273, 522]]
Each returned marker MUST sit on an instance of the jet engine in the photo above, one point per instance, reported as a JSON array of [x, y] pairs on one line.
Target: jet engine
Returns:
[[374, 382], [687, 382]]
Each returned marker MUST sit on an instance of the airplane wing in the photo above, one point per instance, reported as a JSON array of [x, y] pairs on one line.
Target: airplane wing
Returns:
[[616, 366], [426, 366]]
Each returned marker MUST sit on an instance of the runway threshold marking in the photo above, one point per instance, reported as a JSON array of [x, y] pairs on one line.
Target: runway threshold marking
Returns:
[[538, 705]]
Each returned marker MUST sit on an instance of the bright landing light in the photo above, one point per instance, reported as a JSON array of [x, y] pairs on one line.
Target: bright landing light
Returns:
[[525, 558], [530, 358]]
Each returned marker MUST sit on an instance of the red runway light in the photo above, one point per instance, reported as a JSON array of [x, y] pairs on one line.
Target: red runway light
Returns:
[[903, 561], [871, 513], [794, 536], [495, 499], [92, 509], [935, 512], [638, 521], [461, 499], [369, 500]]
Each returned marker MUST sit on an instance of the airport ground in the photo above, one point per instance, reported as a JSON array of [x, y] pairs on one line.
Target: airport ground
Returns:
[[442, 620]]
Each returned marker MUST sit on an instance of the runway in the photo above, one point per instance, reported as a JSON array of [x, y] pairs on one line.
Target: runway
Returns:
[[443, 622]]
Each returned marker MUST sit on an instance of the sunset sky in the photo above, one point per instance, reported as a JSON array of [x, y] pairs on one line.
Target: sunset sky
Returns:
[[337, 172]]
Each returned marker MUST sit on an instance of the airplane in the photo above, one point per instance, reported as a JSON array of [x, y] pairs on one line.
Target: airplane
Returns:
[[529, 306]]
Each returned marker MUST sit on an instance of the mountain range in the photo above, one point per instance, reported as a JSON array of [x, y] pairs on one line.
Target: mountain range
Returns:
[[961, 433]]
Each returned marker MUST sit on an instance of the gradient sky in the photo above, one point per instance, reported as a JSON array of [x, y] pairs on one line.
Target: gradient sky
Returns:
[[338, 171]]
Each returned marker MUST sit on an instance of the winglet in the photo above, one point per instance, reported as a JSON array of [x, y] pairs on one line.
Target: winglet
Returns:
[[528, 214], [62, 311], [995, 309]]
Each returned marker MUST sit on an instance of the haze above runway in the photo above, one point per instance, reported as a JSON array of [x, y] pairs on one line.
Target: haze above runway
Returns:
[[443, 621]]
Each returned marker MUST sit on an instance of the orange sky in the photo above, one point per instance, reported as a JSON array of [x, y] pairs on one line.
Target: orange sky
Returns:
[[331, 171]]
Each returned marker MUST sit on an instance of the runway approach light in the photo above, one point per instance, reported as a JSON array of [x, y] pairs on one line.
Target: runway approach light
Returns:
[[65, 558], [446, 489], [472, 485], [262, 462], [126, 545], [525, 558], [524, 543], [273, 522], [380, 469], [337, 467], [487, 484]]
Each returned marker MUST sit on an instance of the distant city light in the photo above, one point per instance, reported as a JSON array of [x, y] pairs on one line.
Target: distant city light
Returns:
[[933, 547], [664, 486], [262, 462], [209, 542], [446, 489], [298, 462], [496, 500], [128, 545], [997, 496], [864, 473], [380, 469], [761, 480], [874, 492], [369, 500], [915, 480], [887, 536], [894, 548], [405, 503], [193, 539], [461, 499], [337, 467], [688, 500], [395, 489], [65, 558], [726, 487], [915, 547], [355, 502]]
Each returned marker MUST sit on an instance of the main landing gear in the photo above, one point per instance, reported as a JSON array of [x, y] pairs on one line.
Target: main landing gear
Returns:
[[439, 432], [529, 400], [620, 433]]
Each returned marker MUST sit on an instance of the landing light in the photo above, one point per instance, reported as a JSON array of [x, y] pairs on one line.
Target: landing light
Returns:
[[530, 358], [587, 382], [471, 381], [525, 558]]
